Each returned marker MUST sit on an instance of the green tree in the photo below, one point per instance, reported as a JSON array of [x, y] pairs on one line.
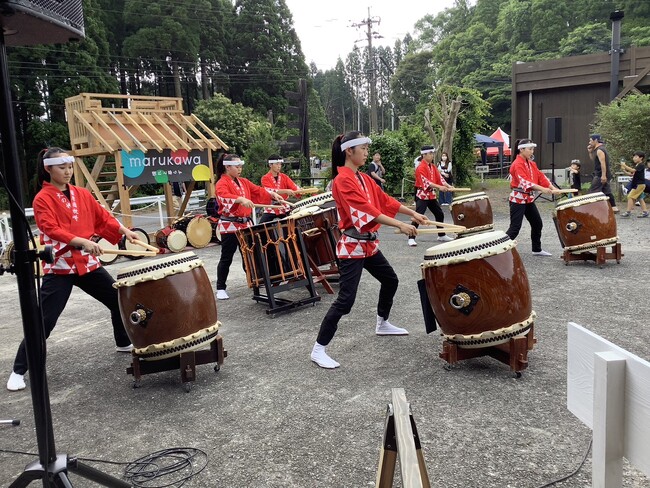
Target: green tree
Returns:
[[266, 56], [393, 153], [586, 39], [410, 82], [625, 124]]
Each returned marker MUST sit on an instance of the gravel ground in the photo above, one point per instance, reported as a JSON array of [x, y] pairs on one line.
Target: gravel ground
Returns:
[[271, 418]]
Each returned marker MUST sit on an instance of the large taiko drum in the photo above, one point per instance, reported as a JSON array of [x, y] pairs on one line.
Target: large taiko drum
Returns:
[[472, 211], [167, 305], [585, 222], [478, 289], [320, 231], [323, 200], [127, 245], [169, 238], [271, 251]]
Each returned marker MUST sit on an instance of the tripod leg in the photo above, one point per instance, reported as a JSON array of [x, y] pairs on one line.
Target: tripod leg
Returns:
[[95, 475]]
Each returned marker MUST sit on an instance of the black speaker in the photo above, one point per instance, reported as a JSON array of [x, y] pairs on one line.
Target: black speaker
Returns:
[[553, 129], [26, 22]]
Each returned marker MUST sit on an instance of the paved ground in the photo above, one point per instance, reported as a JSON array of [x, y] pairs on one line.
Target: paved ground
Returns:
[[270, 418]]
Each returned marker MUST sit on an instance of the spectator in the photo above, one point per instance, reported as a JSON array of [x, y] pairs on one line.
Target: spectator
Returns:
[[637, 185]]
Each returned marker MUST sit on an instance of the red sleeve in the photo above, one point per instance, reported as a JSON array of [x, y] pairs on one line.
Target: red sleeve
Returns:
[[267, 181], [420, 176], [258, 194], [47, 221], [288, 182]]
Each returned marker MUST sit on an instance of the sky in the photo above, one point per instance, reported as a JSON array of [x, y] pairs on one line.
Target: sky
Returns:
[[326, 32]]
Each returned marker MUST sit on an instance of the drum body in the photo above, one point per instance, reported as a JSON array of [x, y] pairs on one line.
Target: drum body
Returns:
[[473, 211], [320, 232], [199, 232], [271, 250], [323, 200], [169, 238], [585, 222], [478, 289], [127, 245], [167, 305], [104, 244]]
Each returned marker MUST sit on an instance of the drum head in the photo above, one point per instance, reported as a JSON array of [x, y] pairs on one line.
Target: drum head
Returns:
[[470, 197], [176, 241], [199, 232], [468, 248], [107, 258]]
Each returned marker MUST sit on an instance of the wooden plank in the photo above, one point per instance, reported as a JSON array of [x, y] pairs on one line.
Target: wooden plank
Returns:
[[167, 142], [91, 182], [101, 122], [180, 127], [119, 123], [632, 86], [92, 130], [207, 141], [151, 140], [124, 193], [209, 131], [170, 131], [408, 459], [98, 166]]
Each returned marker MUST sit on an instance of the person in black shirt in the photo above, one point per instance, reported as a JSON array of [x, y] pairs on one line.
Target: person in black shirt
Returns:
[[637, 185]]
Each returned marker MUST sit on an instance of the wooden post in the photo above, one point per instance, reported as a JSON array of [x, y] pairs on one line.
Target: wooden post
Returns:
[[125, 199], [609, 416]]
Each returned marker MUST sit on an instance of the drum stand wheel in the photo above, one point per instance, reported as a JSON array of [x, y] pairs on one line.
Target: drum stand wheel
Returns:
[[514, 353], [185, 362], [599, 255]]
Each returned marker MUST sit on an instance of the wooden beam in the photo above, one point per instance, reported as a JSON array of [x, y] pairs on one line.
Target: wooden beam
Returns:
[[125, 201], [101, 122], [176, 136], [92, 130], [91, 182], [180, 127], [632, 86], [209, 131], [167, 142], [97, 167], [123, 127], [134, 123], [208, 142]]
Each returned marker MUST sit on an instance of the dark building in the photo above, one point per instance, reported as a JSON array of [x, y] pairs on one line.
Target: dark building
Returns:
[[570, 89]]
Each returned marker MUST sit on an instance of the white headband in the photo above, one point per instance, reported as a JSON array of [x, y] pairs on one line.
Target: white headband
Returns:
[[355, 142], [238, 162], [271, 161], [425, 151], [59, 160], [524, 146]]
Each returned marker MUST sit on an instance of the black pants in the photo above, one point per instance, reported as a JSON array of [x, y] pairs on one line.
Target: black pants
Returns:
[[350, 274], [597, 185], [529, 210], [229, 245], [55, 291], [421, 206]]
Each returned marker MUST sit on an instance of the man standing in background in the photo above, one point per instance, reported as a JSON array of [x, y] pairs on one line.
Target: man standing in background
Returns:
[[602, 169]]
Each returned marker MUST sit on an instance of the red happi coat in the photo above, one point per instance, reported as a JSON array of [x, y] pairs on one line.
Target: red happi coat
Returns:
[[282, 183], [426, 174], [227, 192], [524, 174], [60, 220], [358, 204]]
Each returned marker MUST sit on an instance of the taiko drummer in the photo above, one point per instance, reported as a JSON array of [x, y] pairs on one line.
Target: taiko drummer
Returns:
[[279, 182], [525, 179], [67, 216], [363, 207], [237, 197]]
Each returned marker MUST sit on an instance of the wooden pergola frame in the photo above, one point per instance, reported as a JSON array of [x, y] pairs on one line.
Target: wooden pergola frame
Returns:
[[101, 126]]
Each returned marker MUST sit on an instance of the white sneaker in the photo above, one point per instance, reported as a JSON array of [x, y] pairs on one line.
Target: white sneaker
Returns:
[[384, 328], [222, 295], [320, 357], [128, 348], [541, 253], [16, 382], [412, 242], [445, 238]]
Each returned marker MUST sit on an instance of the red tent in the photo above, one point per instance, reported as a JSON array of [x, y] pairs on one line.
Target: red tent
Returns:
[[499, 135]]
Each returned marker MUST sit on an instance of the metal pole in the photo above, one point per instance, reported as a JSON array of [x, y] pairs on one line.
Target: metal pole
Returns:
[[615, 51]]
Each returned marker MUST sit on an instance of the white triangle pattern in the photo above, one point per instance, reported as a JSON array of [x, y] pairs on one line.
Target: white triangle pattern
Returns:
[[359, 218]]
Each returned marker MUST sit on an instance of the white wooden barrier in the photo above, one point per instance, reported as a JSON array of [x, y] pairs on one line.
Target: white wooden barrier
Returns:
[[608, 389]]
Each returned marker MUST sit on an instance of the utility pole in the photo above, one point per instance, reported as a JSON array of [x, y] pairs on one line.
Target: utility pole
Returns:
[[368, 23]]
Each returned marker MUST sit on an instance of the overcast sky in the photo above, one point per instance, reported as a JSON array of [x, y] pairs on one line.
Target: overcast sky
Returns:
[[325, 27]]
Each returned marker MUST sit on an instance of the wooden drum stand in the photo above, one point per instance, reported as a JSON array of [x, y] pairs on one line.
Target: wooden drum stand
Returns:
[[185, 362], [598, 254], [514, 353]]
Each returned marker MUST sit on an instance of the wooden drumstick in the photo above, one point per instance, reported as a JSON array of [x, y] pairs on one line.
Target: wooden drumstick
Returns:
[[457, 228], [263, 205], [145, 245], [128, 252], [306, 191], [568, 190], [460, 189], [442, 224]]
